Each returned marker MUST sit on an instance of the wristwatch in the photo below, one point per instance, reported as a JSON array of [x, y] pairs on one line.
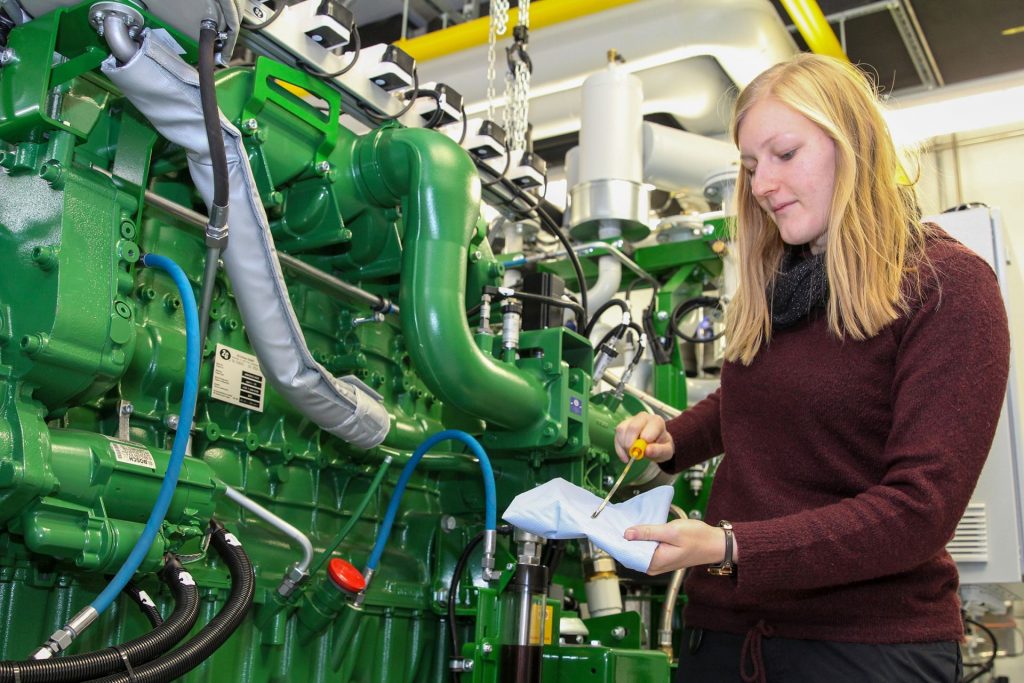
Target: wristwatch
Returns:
[[726, 568]]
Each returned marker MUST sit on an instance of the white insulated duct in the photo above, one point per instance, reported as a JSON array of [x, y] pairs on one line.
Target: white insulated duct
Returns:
[[166, 91], [686, 54], [674, 159]]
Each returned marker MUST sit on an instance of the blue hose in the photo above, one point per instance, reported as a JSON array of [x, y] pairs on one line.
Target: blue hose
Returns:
[[188, 408], [490, 498]]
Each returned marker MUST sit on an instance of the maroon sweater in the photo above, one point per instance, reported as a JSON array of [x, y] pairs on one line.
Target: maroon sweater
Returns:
[[848, 465]]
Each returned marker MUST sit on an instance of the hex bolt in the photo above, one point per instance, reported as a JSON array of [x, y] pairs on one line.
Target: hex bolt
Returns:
[[607, 481], [662, 315], [448, 523], [251, 124], [487, 648], [323, 167], [619, 632], [172, 422], [127, 409]]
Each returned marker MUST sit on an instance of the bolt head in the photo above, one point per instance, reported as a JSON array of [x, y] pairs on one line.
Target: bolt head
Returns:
[[487, 648], [662, 315]]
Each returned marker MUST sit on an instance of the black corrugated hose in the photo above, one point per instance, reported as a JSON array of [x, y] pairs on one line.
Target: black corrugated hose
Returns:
[[147, 608], [198, 649], [138, 651]]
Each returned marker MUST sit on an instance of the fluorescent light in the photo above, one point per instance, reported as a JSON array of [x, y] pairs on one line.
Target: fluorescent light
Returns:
[[961, 108]]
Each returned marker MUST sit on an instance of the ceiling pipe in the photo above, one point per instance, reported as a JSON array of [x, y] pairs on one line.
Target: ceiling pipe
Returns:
[[815, 29]]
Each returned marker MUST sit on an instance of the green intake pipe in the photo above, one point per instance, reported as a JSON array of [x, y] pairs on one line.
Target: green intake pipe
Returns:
[[440, 196]]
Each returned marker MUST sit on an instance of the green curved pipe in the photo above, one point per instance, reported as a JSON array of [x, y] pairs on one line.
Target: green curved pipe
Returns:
[[440, 196]]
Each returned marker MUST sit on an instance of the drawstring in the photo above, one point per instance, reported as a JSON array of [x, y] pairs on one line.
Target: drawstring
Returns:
[[752, 649]]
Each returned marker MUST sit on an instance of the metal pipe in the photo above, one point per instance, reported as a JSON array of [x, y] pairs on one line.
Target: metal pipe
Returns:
[[315, 275], [299, 571], [589, 247], [660, 407], [115, 32], [474, 33], [671, 595]]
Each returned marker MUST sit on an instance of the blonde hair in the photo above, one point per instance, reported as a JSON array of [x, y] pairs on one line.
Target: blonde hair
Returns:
[[874, 233]]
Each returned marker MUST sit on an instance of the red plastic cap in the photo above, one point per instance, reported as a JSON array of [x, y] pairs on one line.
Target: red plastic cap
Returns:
[[345, 576]]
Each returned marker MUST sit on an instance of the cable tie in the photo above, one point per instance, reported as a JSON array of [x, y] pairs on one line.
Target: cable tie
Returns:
[[127, 664]]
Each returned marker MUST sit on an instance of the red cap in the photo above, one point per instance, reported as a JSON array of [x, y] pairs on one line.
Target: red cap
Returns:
[[345, 576]]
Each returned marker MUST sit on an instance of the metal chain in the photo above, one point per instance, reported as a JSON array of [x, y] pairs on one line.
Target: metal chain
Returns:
[[498, 26], [517, 91]]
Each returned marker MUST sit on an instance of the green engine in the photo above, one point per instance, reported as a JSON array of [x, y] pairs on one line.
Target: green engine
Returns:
[[363, 280]]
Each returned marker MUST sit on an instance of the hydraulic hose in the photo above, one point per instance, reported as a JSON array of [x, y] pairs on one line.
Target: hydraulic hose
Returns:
[[217, 228], [145, 605], [607, 305], [135, 652], [200, 648], [490, 498], [63, 637]]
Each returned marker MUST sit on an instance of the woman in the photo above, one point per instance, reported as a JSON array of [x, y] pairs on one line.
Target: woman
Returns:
[[866, 367]]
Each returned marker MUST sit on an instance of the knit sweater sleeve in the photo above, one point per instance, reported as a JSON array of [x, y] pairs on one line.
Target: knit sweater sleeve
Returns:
[[948, 388], [696, 434]]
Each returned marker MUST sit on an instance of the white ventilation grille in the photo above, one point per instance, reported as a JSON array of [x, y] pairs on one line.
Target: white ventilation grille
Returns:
[[970, 542]]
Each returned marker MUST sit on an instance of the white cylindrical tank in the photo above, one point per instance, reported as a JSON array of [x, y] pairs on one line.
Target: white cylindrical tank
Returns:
[[611, 137]]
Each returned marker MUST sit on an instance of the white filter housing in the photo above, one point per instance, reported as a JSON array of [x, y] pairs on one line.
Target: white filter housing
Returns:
[[611, 135]]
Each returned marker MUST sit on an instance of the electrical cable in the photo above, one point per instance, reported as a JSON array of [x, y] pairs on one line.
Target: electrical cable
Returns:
[[991, 662], [689, 306], [357, 47], [507, 293], [605, 307], [415, 93], [549, 224], [453, 591], [508, 163], [202, 646], [273, 17], [138, 651], [465, 125]]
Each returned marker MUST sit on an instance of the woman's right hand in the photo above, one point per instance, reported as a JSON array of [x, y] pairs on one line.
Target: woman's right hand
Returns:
[[651, 429]]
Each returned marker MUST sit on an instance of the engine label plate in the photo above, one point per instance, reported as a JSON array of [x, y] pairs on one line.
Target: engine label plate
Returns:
[[133, 455], [237, 378]]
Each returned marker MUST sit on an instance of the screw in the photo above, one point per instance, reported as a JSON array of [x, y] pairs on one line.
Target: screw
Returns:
[[323, 167], [662, 315], [127, 409], [607, 481], [448, 523], [619, 632], [467, 665], [487, 648], [172, 422], [7, 56], [251, 124]]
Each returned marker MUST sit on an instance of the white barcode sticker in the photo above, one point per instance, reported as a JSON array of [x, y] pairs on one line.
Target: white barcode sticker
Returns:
[[133, 455], [237, 378]]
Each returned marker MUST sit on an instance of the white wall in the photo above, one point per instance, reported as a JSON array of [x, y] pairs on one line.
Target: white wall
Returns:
[[984, 166]]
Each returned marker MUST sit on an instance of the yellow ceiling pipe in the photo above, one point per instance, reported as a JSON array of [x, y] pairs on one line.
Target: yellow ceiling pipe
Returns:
[[473, 33], [822, 40], [815, 29]]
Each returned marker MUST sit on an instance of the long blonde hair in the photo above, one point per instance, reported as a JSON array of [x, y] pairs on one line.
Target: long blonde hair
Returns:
[[874, 235]]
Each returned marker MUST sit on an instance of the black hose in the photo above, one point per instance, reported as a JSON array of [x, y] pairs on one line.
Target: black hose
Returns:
[[606, 306], [453, 589], [689, 306], [201, 647], [145, 606], [138, 651], [497, 178], [211, 114], [991, 662]]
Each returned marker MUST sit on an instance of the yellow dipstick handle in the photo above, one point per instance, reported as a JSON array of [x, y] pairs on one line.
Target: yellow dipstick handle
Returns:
[[637, 450]]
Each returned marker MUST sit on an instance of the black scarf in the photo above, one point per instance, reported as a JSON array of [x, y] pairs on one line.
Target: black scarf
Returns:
[[800, 286]]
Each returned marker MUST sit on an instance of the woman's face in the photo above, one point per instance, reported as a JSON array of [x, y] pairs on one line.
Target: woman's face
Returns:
[[792, 165]]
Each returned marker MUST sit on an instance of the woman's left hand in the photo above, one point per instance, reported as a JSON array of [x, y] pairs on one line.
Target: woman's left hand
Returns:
[[682, 543]]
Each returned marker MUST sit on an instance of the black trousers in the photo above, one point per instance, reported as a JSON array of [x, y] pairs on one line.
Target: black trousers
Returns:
[[713, 657]]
